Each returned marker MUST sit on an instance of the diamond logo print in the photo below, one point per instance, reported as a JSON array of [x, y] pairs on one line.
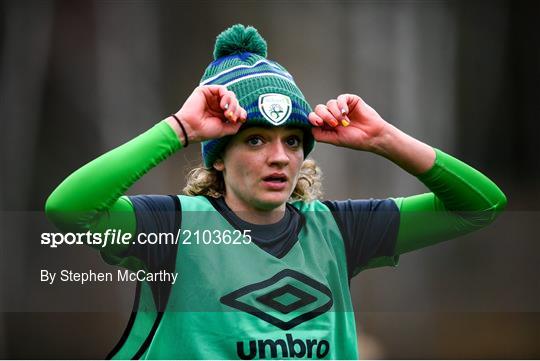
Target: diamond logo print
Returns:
[[285, 300], [272, 299]]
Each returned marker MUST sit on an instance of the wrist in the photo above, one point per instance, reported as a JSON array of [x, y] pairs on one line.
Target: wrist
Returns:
[[182, 129], [383, 144], [177, 130], [407, 152]]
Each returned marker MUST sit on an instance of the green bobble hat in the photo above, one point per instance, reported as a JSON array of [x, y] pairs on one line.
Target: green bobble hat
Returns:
[[264, 88]]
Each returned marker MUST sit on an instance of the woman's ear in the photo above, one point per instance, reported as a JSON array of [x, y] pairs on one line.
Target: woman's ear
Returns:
[[219, 165]]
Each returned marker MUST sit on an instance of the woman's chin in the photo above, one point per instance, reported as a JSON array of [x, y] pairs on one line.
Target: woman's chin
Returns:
[[272, 200]]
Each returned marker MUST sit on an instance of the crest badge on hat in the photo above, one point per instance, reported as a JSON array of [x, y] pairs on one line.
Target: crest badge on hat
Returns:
[[276, 108]]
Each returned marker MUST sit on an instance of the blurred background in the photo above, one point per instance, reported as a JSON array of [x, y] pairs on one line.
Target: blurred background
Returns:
[[78, 78]]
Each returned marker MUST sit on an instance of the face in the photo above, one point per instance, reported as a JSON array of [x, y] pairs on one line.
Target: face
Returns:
[[261, 166]]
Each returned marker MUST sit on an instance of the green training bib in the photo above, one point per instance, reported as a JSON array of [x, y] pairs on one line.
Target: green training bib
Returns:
[[236, 301]]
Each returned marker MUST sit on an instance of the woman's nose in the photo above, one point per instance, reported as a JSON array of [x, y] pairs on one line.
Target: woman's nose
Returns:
[[278, 154]]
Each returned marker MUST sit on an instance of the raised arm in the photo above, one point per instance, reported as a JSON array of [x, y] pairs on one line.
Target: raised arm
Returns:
[[462, 199], [91, 197]]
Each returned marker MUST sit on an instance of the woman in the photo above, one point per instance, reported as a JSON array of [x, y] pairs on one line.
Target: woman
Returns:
[[271, 278]]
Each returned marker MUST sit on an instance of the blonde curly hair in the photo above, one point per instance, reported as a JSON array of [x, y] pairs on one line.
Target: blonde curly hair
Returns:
[[210, 182]]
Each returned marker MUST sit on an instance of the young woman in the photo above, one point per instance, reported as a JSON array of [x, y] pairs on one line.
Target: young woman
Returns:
[[263, 266]]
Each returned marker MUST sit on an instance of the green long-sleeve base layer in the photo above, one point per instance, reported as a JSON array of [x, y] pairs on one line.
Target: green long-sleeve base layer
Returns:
[[461, 200]]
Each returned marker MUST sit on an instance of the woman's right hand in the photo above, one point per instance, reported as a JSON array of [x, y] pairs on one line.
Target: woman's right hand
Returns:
[[210, 112]]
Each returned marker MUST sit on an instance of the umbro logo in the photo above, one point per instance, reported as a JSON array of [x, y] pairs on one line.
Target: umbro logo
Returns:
[[284, 300]]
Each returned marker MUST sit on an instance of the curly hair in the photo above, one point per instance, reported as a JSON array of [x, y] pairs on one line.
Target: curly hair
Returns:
[[210, 182]]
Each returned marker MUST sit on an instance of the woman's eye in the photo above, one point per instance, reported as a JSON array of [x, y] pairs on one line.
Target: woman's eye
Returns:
[[293, 141], [255, 140]]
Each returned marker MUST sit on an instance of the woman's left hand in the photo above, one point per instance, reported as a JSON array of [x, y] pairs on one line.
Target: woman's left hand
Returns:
[[347, 121]]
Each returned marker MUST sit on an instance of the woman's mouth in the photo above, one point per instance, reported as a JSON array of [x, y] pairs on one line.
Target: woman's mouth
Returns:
[[275, 181]]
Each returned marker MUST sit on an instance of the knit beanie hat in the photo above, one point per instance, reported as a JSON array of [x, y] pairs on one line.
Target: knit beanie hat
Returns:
[[263, 88]]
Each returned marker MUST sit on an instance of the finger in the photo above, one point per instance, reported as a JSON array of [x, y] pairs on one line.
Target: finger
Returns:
[[315, 120], [232, 106], [225, 102], [338, 112], [325, 115], [217, 93], [343, 101], [231, 128], [215, 90], [343, 104], [224, 96], [243, 115], [332, 106], [349, 102], [325, 135], [238, 112]]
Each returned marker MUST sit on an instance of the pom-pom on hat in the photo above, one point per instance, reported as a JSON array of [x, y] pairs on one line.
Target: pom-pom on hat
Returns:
[[264, 88]]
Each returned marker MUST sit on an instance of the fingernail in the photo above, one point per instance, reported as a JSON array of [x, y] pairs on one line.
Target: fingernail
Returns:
[[345, 122], [226, 106], [334, 124], [229, 114]]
